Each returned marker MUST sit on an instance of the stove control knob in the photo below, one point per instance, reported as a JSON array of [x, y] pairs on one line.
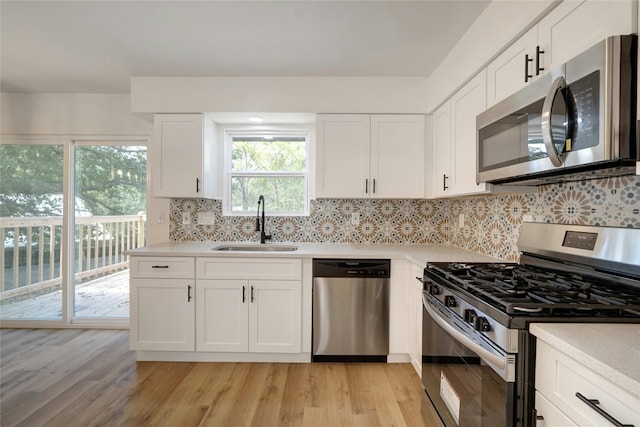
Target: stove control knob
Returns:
[[481, 324], [469, 315], [450, 301], [434, 289]]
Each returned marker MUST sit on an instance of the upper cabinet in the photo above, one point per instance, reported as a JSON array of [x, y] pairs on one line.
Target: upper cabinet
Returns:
[[370, 156], [182, 156], [570, 28], [454, 141]]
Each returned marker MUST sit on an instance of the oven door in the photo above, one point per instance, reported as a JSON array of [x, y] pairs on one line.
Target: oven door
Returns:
[[468, 383]]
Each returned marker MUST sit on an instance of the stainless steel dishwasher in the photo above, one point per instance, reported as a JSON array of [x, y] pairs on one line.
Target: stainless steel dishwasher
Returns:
[[351, 309]]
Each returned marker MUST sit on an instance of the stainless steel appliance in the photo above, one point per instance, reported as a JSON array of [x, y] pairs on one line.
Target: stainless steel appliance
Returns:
[[351, 309], [576, 122], [566, 274]]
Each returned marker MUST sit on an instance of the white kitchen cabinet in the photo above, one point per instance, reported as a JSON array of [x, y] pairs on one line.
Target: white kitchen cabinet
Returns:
[[415, 321], [182, 156], [559, 378], [162, 304], [570, 28], [254, 316], [442, 168], [249, 305], [454, 141], [370, 156]]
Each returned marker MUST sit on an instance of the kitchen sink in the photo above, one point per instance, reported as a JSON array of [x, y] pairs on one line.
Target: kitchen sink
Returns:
[[256, 248]]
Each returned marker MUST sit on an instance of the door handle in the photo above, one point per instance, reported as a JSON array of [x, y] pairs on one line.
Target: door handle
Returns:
[[244, 296], [197, 185], [538, 67], [188, 293], [252, 294], [366, 186], [374, 186], [444, 182], [545, 120], [527, 76], [593, 404]]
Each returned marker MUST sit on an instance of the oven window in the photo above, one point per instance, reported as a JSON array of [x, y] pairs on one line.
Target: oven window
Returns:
[[465, 391]]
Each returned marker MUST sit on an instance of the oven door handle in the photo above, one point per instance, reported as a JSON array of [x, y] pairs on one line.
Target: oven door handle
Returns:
[[497, 360]]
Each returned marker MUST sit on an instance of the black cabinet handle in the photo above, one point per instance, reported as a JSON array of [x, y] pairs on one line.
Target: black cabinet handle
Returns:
[[159, 266], [188, 293], [251, 293], [420, 279], [444, 182], [197, 185], [366, 186], [244, 296], [374, 186], [527, 76], [593, 404], [538, 67]]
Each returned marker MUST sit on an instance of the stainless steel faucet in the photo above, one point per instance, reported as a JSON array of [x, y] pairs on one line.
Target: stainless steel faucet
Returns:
[[260, 227]]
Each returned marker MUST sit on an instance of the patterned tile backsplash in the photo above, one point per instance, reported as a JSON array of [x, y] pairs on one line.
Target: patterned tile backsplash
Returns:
[[491, 223]]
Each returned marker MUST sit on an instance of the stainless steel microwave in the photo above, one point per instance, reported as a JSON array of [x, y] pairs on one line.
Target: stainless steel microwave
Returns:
[[575, 122]]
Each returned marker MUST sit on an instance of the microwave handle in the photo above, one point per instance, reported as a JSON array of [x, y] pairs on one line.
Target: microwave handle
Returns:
[[547, 132]]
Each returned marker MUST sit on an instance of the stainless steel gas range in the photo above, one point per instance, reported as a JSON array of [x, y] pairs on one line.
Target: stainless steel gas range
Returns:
[[478, 355]]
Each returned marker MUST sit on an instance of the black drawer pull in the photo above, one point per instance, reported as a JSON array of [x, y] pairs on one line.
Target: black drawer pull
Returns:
[[593, 404], [159, 266], [188, 293]]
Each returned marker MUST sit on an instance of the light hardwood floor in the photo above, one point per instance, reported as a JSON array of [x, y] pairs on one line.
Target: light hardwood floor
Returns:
[[74, 377]]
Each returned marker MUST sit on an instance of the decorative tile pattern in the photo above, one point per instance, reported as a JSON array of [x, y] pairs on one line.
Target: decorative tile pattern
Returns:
[[491, 223]]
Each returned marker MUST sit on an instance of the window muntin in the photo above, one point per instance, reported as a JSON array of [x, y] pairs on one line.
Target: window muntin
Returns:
[[271, 163]]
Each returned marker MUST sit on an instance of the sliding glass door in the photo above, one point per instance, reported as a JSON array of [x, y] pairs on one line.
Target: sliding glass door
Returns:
[[68, 212], [110, 200]]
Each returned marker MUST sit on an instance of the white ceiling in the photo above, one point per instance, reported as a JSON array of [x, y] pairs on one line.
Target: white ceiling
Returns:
[[96, 46]]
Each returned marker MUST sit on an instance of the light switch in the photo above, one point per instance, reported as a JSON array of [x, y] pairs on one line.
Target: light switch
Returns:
[[461, 220], [186, 218]]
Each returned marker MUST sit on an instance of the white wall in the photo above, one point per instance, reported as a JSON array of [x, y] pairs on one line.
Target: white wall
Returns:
[[279, 94], [75, 116]]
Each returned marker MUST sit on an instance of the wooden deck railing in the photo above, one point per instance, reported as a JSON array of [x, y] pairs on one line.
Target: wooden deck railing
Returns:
[[30, 263]]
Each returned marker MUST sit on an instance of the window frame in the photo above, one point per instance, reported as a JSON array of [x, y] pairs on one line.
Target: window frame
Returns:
[[257, 131]]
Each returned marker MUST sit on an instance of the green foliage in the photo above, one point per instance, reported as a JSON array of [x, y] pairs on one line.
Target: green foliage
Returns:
[[271, 167], [110, 180]]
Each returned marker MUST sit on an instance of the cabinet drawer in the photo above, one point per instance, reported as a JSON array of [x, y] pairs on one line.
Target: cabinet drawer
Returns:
[[249, 268], [559, 378], [165, 267], [550, 416]]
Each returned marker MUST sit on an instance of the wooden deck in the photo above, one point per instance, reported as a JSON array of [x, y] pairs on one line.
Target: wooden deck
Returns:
[[105, 297]]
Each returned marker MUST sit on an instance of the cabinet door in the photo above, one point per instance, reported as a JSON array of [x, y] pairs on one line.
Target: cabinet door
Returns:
[[162, 314], [466, 104], [442, 172], [506, 73], [180, 151], [550, 416], [275, 313], [221, 315], [575, 26], [397, 156], [342, 155], [416, 328]]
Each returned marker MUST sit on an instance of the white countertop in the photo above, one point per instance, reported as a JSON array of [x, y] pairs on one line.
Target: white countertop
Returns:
[[417, 254], [610, 350]]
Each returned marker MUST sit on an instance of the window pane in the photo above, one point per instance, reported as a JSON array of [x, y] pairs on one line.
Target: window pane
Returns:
[[110, 189], [31, 229], [277, 155], [282, 194]]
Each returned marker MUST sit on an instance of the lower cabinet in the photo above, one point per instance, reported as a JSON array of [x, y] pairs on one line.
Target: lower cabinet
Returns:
[[248, 315], [203, 306], [569, 393], [162, 314]]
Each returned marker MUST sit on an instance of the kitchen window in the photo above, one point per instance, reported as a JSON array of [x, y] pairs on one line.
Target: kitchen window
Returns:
[[273, 163]]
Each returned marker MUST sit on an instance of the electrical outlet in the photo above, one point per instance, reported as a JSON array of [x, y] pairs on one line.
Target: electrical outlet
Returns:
[[160, 217], [206, 218], [186, 218], [355, 218], [461, 220], [527, 218]]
